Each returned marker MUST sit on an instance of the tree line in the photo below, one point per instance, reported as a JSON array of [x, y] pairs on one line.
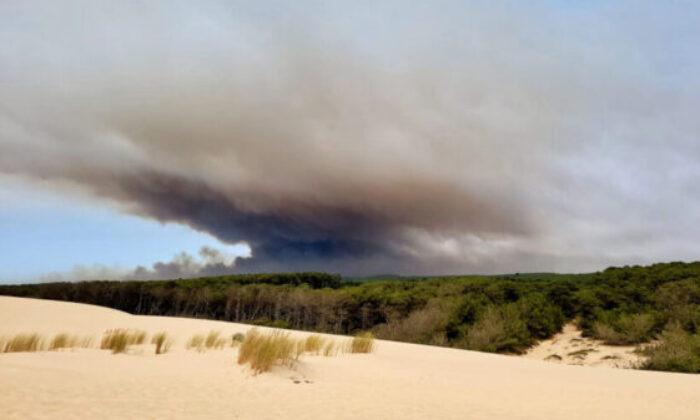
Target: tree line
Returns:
[[507, 314]]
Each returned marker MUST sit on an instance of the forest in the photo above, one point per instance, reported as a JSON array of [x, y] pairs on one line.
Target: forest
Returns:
[[504, 314]]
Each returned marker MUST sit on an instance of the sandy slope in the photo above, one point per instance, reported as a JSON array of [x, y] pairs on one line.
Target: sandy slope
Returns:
[[399, 381], [569, 347]]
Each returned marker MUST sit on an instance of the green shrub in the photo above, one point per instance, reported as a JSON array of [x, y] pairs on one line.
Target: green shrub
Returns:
[[627, 329], [427, 325], [500, 329], [677, 351], [541, 317]]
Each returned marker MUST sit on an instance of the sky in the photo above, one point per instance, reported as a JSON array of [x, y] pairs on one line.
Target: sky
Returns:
[[170, 139]]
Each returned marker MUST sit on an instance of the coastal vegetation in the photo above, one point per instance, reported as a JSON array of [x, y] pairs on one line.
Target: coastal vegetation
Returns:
[[118, 340], [505, 313]]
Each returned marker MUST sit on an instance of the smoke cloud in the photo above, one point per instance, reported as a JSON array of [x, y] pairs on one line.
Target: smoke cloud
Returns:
[[457, 140], [211, 262]]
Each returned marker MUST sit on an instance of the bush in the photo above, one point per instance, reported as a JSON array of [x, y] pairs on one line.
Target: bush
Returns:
[[362, 343], [627, 329], [541, 317], [677, 351], [500, 329], [426, 326]]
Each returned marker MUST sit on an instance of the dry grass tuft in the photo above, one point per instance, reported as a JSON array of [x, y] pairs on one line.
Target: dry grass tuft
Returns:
[[299, 347], [64, 340], [237, 339], [313, 344], [162, 342], [362, 343], [196, 342], [214, 340], [262, 351], [581, 354], [118, 340], [200, 342], [22, 343], [60, 341], [36, 342], [330, 349]]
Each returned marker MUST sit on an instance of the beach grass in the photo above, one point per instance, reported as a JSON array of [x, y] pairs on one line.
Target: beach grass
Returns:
[[65, 340], [314, 344], [263, 351], [22, 343], [362, 343], [162, 342], [118, 340]]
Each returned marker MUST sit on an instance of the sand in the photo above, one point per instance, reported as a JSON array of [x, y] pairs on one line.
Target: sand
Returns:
[[569, 347], [398, 381]]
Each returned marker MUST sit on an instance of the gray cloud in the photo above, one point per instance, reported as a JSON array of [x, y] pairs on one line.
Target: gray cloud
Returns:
[[453, 140]]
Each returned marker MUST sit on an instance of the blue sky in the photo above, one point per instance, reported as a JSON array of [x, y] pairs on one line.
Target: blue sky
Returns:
[[45, 232]]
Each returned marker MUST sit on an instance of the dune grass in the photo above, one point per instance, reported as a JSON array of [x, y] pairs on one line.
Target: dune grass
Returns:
[[60, 341], [162, 342], [195, 342], [118, 340], [581, 354], [201, 342], [237, 339], [32, 342], [330, 349], [214, 340], [262, 351], [362, 343], [314, 344], [265, 350], [22, 343], [65, 340]]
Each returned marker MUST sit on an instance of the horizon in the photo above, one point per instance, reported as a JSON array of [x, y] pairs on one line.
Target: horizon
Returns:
[[379, 277], [168, 139]]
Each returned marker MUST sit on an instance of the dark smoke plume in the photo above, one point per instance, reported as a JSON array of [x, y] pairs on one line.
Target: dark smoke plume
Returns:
[[442, 146]]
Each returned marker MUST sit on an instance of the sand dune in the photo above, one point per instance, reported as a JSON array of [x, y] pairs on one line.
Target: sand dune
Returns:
[[570, 347], [398, 381]]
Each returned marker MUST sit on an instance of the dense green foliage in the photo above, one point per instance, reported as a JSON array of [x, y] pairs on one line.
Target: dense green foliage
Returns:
[[626, 305], [676, 351]]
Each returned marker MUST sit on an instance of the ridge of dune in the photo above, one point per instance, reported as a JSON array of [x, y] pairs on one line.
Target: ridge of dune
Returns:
[[398, 381]]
